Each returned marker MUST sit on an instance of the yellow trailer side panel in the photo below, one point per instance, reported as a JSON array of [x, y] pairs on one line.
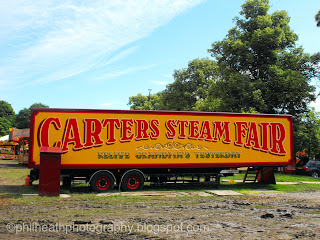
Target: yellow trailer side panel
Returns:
[[146, 139]]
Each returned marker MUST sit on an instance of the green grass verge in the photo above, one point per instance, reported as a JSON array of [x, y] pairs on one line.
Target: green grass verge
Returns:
[[13, 176], [280, 178], [12, 180]]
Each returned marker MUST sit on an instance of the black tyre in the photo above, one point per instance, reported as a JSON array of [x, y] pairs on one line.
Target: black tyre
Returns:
[[132, 181], [102, 182], [315, 174], [66, 182]]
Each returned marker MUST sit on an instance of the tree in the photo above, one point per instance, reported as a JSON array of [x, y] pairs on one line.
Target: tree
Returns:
[[5, 124], [307, 132], [23, 117], [257, 68], [190, 85], [141, 102], [6, 111], [39, 105], [317, 18], [261, 56]]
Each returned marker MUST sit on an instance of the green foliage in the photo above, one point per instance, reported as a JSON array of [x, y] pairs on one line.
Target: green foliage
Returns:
[[260, 54], [5, 124], [307, 132], [191, 84], [23, 117], [141, 102], [317, 18], [6, 111], [7, 118], [232, 93], [257, 68], [39, 105]]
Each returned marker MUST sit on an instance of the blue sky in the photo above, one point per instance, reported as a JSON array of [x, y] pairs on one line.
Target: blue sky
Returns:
[[96, 54]]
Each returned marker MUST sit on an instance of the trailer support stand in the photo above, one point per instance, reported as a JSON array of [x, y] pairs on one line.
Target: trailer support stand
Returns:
[[50, 170], [266, 176]]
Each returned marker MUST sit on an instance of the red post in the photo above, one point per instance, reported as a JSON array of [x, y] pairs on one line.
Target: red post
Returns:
[[266, 176], [50, 170]]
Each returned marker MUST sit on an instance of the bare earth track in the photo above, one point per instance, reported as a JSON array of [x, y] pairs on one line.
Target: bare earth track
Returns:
[[257, 216], [267, 215]]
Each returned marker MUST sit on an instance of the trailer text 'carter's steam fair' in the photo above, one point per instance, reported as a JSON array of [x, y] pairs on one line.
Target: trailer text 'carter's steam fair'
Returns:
[[263, 136], [127, 148]]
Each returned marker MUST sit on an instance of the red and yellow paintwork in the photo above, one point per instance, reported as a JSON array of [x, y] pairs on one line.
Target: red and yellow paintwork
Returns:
[[7, 151], [110, 139]]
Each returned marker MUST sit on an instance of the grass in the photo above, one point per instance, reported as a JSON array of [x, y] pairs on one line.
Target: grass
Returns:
[[247, 187], [297, 188], [13, 176], [12, 180], [280, 178], [315, 211], [9, 162]]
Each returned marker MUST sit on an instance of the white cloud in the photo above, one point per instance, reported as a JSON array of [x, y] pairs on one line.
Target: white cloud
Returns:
[[163, 83], [51, 40], [106, 104], [168, 75], [121, 72]]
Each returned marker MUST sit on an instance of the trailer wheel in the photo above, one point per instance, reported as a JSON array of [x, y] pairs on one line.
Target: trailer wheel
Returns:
[[315, 174], [102, 181], [132, 180]]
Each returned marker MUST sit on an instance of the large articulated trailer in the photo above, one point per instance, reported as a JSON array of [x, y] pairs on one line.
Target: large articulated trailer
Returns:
[[128, 148]]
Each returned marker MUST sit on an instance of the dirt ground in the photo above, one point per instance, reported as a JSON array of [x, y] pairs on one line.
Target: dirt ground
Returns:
[[171, 215], [258, 216]]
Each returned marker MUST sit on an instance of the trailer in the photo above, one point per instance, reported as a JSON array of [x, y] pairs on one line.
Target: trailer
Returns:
[[10, 148], [130, 147], [21, 138]]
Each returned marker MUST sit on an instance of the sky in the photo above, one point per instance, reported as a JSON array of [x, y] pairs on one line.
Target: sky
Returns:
[[96, 54]]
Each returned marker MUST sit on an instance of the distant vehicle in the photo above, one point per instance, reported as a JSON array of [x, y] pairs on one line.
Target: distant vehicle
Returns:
[[300, 164], [296, 168], [312, 168]]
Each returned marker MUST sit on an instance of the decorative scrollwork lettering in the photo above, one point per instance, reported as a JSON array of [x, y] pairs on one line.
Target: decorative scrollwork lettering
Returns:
[[172, 146]]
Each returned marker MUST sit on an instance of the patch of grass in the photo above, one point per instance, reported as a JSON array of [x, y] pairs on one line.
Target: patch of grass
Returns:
[[297, 188], [294, 178], [315, 211], [243, 187], [280, 177], [246, 186], [13, 176], [247, 192], [12, 182], [9, 162]]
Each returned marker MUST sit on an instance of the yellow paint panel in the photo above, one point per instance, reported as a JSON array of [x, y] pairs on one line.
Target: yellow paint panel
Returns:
[[168, 139]]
